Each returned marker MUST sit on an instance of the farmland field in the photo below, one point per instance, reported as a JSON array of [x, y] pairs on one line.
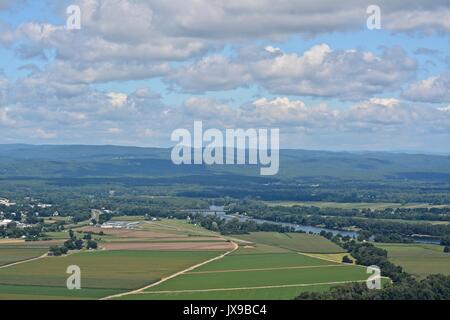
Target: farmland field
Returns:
[[261, 261], [419, 259], [353, 205], [336, 257], [15, 253], [255, 276], [21, 292], [300, 242], [267, 265], [103, 272], [258, 248], [251, 294], [161, 235], [406, 221]]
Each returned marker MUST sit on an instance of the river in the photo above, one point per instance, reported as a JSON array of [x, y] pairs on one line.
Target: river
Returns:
[[219, 211]]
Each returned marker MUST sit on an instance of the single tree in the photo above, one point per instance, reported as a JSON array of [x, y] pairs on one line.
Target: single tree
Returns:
[[346, 259], [91, 244]]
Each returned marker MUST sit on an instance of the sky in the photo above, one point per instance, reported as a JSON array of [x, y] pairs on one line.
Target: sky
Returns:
[[135, 71]]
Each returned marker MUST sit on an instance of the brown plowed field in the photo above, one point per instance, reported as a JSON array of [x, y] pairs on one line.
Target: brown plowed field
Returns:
[[124, 233], [169, 246]]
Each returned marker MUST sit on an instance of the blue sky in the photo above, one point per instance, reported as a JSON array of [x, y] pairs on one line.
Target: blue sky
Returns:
[[137, 70]]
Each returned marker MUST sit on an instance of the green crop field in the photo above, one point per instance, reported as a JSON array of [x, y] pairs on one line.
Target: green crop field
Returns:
[[255, 276], [300, 242], [258, 248], [261, 261], [272, 277], [102, 272], [176, 227], [251, 294], [267, 265], [352, 205], [21, 292], [419, 259], [128, 218], [15, 253], [60, 235]]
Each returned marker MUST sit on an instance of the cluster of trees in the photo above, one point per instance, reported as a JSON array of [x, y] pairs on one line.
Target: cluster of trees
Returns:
[[30, 234], [367, 254], [73, 243], [78, 202], [346, 259], [415, 214], [329, 190], [55, 227], [434, 287], [235, 226], [429, 214], [162, 207], [445, 241], [78, 209], [104, 217]]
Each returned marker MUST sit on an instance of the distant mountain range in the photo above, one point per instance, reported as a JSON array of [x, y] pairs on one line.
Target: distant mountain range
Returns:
[[115, 161]]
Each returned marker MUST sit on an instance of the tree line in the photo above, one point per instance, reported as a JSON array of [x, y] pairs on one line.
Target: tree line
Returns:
[[235, 226]]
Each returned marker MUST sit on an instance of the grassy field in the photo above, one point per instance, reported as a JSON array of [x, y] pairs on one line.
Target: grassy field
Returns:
[[102, 272], [15, 253], [177, 227], [258, 248], [280, 276], [21, 292], [355, 205], [300, 242], [52, 220], [128, 218], [59, 235], [249, 294], [419, 259], [269, 276], [261, 261], [407, 221], [161, 235], [336, 257]]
